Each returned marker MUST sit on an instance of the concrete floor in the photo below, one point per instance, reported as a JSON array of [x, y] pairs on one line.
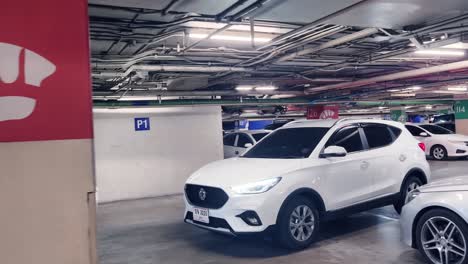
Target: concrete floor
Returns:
[[151, 231]]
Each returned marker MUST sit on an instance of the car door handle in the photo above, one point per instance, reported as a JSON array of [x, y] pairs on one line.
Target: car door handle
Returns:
[[237, 152], [364, 165]]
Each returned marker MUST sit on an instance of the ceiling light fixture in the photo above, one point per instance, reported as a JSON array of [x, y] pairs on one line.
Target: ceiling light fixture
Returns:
[[457, 45], [428, 106], [457, 88], [244, 88], [266, 88], [440, 52], [229, 37], [402, 94], [415, 88]]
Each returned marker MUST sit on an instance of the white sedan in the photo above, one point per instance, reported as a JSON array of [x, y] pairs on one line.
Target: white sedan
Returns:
[[237, 143], [440, 143], [435, 221]]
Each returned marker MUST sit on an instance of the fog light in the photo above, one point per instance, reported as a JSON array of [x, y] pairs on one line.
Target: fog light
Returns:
[[250, 218], [460, 151]]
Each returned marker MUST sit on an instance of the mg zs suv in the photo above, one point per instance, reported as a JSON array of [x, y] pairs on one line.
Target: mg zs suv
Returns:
[[306, 172]]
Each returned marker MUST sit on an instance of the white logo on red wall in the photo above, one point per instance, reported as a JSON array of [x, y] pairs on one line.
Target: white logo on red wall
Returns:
[[327, 114], [36, 69]]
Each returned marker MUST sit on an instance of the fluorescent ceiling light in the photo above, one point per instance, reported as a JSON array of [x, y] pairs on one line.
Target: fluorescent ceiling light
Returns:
[[244, 88], [229, 37], [394, 90], [428, 106], [458, 45], [440, 52], [265, 88], [414, 88], [457, 88], [403, 94]]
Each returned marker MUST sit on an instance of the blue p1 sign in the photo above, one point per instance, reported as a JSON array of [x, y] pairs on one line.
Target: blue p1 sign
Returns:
[[142, 123]]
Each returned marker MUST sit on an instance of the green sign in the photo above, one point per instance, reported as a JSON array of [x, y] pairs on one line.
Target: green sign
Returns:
[[398, 115], [461, 108]]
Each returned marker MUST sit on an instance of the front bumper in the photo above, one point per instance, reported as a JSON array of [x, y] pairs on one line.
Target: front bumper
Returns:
[[407, 218], [457, 149], [227, 220]]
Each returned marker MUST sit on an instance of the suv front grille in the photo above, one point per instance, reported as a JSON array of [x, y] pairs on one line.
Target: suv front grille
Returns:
[[205, 196]]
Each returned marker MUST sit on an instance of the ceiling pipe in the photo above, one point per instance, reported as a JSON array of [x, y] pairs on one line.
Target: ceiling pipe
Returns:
[[313, 24], [339, 41], [152, 93], [168, 68], [226, 11], [391, 77]]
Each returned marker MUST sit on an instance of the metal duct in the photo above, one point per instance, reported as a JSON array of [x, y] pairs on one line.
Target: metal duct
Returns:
[[342, 40], [391, 77], [145, 93], [173, 68]]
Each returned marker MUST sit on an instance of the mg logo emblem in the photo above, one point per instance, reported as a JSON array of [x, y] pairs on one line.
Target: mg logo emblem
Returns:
[[202, 194], [26, 67]]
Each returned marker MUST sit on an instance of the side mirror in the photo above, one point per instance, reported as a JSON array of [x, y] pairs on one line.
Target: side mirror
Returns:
[[423, 134], [248, 145], [333, 151]]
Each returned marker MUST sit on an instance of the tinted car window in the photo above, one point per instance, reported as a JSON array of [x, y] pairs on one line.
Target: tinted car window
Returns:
[[415, 131], [395, 130], [259, 136], [243, 139], [348, 138], [228, 140], [290, 143], [436, 129], [377, 135]]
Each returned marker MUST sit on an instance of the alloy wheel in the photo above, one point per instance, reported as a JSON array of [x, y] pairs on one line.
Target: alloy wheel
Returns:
[[442, 241], [438, 153], [302, 223]]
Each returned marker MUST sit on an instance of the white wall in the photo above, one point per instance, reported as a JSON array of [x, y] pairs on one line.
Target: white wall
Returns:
[[135, 164]]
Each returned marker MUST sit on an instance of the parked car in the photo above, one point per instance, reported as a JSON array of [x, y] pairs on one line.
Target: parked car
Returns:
[[304, 172], [446, 121], [236, 143], [440, 143], [277, 124], [435, 221]]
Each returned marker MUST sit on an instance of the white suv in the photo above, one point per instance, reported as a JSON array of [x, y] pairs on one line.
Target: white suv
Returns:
[[305, 172]]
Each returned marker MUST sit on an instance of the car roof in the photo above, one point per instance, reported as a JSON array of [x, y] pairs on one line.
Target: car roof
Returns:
[[251, 132], [328, 123]]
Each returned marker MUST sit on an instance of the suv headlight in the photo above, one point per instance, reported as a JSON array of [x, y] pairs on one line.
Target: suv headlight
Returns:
[[256, 187], [412, 195]]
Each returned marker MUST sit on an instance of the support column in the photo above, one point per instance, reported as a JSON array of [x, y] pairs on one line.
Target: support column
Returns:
[[461, 116], [47, 185]]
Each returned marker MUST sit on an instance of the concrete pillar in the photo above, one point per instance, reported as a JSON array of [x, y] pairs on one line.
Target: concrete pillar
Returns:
[[47, 190], [461, 116]]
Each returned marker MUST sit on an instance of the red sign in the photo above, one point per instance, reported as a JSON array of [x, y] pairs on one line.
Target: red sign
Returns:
[[323, 112], [45, 89]]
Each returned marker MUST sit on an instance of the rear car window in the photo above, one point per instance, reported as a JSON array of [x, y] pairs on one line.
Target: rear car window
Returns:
[[228, 140], [377, 135], [243, 139], [259, 136], [348, 138]]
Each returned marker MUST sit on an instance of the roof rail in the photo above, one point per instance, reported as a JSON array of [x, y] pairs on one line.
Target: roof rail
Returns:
[[351, 118]]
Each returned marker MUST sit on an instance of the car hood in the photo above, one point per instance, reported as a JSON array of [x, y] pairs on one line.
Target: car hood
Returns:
[[236, 171], [447, 185]]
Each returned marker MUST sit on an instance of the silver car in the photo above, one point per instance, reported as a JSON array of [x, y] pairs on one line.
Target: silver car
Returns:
[[435, 221]]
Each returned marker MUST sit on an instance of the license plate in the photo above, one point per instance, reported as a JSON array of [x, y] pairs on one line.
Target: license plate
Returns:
[[201, 215]]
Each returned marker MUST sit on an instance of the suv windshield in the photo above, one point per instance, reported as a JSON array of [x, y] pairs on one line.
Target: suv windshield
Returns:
[[290, 143], [436, 129]]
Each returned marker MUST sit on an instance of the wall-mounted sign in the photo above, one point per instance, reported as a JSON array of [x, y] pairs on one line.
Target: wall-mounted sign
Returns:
[[461, 108], [142, 123], [323, 112], [45, 89]]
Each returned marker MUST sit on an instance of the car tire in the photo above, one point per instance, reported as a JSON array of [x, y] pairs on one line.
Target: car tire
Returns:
[[448, 241], [411, 183], [298, 224], [439, 152]]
